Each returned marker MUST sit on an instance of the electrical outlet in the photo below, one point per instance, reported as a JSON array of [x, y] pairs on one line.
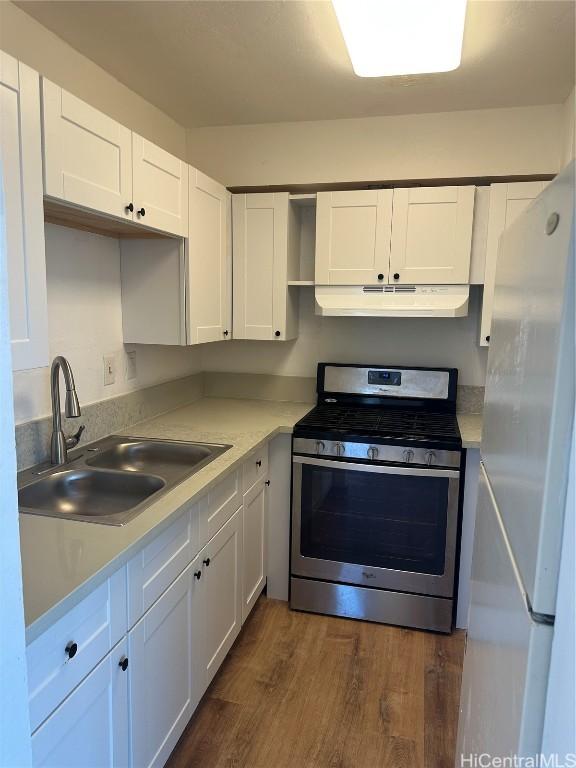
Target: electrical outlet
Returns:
[[131, 370], [109, 369]]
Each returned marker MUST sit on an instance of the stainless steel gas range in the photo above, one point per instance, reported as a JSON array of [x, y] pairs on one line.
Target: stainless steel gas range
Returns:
[[376, 473]]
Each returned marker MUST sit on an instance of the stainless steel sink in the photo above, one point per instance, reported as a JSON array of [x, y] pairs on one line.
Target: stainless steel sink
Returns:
[[112, 480], [172, 459], [89, 493]]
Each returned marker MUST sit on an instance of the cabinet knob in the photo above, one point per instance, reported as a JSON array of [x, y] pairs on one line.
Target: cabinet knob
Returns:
[[71, 649], [129, 208], [276, 333], [198, 575], [141, 212], [123, 663], [396, 275], [380, 276], [488, 338], [225, 333], [259, 463], [206, 562], [267, 482]]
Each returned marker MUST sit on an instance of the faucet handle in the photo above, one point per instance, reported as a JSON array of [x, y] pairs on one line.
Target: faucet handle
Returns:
[[73, 440]]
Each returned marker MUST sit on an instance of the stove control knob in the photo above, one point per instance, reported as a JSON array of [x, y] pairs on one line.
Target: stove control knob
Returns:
[[339, 448], [408, 455], [372, 453], [320, 447], [430, 457]]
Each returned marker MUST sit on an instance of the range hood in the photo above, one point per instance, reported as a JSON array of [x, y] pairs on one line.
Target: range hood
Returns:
[[392, 300]]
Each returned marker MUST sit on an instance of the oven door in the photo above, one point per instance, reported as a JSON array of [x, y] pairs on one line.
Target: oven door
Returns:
[[377, 525]]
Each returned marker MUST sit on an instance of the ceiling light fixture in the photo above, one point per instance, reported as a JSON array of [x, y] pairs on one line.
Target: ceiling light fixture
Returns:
[[402, 37]]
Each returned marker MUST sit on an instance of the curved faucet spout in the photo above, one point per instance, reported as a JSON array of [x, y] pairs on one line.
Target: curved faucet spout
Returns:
[[59, 443]]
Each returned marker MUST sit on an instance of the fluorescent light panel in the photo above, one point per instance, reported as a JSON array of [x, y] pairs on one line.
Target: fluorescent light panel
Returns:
[[402, 37]]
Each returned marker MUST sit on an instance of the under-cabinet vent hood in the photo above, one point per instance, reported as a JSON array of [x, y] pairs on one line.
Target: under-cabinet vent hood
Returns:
[[392, 300]]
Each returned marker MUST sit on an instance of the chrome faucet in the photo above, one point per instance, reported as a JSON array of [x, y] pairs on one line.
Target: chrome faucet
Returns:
[[59, 443]]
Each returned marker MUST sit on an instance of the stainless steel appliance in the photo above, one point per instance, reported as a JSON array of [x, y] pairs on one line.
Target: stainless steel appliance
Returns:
[[376, 477]]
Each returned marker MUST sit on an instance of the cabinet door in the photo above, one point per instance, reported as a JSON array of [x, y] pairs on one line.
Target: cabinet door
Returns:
[[160, 188], [87, 155], [90, 727], [432, 235], [353, 237], [222, 575], [254, 551], [507, 201], [164, 686], [209, 292], [21, 174], [262, 304]]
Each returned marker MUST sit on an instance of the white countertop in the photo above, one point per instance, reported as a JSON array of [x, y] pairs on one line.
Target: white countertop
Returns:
[[63, 560]]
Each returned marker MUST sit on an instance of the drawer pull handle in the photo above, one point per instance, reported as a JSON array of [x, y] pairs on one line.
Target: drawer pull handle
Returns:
[[259, 463], [198, 575], [123, 663], [71, 649], [206, 562]]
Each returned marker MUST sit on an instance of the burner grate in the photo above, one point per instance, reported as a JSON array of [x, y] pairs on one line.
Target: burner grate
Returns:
[[382, 421]]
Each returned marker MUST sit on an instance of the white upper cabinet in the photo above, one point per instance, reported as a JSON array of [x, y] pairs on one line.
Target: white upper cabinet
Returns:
[[209, 263], [160, 184], [90, 160], [353, 237], [431, 235], [21, 174], [266, 257], [507, 201], [87, 155]]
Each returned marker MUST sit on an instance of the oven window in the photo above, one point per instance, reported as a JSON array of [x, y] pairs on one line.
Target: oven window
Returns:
[[367, 518]]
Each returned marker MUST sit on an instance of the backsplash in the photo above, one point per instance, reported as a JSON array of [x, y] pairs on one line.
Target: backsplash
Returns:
[[116, 413], [107, 416]]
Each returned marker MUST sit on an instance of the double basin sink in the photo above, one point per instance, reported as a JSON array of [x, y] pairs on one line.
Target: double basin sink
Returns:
[[112, 480]]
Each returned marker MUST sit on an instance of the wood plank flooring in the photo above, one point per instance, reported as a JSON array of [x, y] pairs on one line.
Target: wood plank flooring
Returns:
[[306, 691]]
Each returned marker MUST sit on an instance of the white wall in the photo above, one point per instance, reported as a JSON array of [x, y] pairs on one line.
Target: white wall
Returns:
[[85, 323], [490, 142], [27, 40], [392, 341], [569, 131]]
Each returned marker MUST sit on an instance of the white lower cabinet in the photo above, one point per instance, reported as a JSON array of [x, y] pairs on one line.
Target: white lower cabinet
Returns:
[[222, 575], [88, 708], [254, 560], [90, 728], [164, 684]]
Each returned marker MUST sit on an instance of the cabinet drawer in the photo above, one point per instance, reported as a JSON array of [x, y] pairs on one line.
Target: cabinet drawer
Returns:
[[255, 468], [95, 625], [155, 567], [223, 500]]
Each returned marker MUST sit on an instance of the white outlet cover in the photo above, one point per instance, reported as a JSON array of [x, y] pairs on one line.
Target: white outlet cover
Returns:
[[109, 369], [131, 369]]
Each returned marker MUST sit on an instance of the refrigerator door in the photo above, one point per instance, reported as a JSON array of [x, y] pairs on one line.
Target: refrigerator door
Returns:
[[507, 654], [530, 385]]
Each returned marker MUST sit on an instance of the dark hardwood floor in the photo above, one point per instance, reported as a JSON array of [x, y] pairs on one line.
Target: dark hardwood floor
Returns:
[[306, 691]]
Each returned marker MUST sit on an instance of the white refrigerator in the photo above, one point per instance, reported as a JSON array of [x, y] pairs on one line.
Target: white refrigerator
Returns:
[[525, 452]]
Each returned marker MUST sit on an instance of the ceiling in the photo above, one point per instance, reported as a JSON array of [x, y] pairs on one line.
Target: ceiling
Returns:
[[225, 62]]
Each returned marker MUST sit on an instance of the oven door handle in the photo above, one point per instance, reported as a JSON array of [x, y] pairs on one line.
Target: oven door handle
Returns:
[[383, 469]]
